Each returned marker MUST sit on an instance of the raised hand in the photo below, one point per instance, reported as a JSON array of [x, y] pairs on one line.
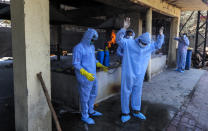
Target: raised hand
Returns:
[[161, 30], [126, 23]]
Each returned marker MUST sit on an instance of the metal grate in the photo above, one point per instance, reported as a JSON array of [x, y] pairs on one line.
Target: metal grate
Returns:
[[200, 47]]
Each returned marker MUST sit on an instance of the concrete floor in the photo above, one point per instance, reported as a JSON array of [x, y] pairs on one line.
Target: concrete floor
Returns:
[[193, 115], [157, 115], [162, 99], [171, 87]]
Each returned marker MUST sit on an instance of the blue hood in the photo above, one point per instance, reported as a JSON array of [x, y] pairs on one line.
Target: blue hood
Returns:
[[88, 35], [145, 38]]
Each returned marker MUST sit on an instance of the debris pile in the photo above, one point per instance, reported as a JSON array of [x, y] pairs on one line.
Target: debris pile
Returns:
[[197, 59]]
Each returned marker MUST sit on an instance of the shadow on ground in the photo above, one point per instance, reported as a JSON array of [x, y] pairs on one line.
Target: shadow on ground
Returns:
[[157, 115]]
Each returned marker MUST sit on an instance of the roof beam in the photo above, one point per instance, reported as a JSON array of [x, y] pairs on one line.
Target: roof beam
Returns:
[[122, 4], [57, 17], [87, 22], [194, 8], [92, 12], [76, 3], [160, 7]]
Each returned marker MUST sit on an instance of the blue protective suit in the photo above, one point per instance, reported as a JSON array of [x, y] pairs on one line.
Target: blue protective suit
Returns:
[[84, 57], [182, 51], [134, 64], [119, 50]]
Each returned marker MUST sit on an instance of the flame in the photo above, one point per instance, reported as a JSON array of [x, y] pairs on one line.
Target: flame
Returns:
[[113, 39]]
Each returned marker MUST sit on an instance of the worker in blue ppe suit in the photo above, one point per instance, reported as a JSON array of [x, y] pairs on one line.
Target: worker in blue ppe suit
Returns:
[[136, 55], [183, 43], [84, 62], [129, 35]]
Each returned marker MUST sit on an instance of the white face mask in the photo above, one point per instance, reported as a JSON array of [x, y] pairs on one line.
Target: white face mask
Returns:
[[129, 37]]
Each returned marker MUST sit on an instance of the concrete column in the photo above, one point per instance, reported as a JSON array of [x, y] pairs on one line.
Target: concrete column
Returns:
[[149, 29], [140, 26], [31, 52], [174, 31]]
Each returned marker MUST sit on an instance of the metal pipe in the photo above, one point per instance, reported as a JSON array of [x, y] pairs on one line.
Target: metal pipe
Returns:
[[205, 42], [197, 32], [186, 21], [202, 25]]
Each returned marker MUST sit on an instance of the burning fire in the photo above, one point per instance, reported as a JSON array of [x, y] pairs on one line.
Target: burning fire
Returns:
[[113, 39]]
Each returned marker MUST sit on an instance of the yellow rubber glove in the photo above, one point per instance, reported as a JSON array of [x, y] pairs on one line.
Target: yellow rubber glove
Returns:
[[88, 75], [104, 68]]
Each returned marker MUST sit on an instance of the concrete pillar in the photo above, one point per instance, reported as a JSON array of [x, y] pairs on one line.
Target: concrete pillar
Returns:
[[140, 26], [31, 52], [174, 31], [149, 29]]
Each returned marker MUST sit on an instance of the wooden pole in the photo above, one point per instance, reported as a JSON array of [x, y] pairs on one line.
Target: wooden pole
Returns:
[[58, 127]]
